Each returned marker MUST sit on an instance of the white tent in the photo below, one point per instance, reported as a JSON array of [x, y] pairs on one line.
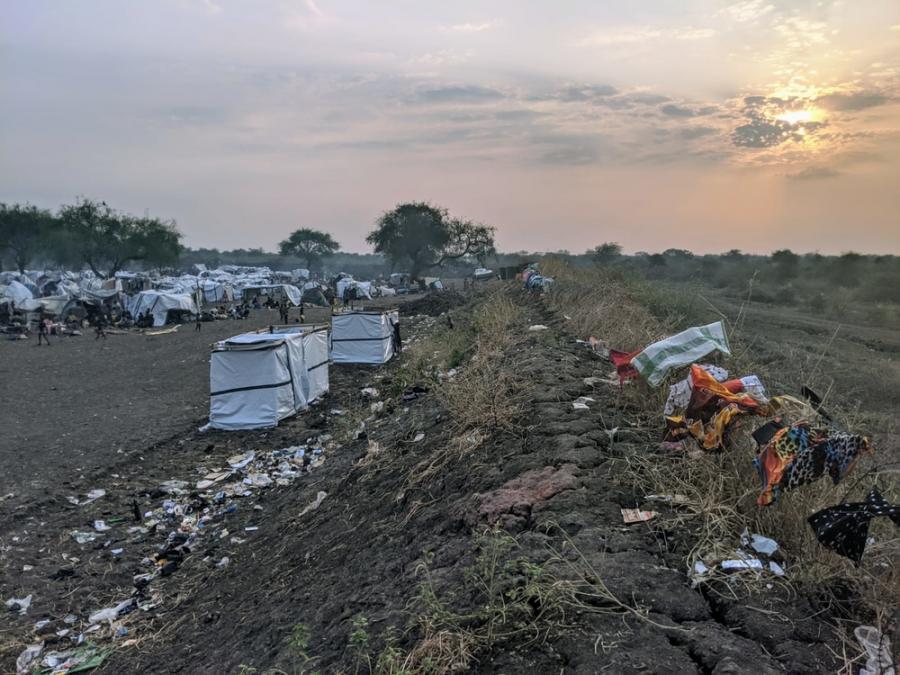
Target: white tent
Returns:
[[362, 289], [258, 379], [159, 303], [363, 337], [16, 292]]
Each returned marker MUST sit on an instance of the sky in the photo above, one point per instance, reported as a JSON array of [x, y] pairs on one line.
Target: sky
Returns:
[[698, 124]]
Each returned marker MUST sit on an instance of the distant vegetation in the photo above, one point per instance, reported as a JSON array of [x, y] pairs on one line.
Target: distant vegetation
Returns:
[[418, 237]]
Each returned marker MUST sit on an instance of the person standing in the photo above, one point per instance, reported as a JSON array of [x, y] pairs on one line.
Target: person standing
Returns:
[[199, 324], [100, 329], [43, 333]]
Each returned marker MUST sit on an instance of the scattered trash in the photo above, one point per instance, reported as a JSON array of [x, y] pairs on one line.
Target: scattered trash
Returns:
[[537, 327], [19, 605], [630, 516], [83, 537], [877, 647], [117, 551], [742, 564], [312, 506], [101, 526], [775, 568], [845, 528], [89, 497], [377, 407], [224, 562], [581, 403], [251, 528], [369, 392], [419, 436], [759, 543], [681, 349], [85, 657], [110, 614], [240, 461], [27, 657]]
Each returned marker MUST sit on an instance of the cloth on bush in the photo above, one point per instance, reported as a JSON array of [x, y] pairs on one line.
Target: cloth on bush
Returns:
[[844, 528], [682, 349], [798, 455], [712, 406], [680, 392]]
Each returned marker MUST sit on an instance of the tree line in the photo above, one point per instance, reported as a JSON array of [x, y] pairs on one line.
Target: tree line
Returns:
[[86, 234], [416, 236]]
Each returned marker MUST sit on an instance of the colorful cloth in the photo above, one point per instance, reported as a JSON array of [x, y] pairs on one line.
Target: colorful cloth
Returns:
[[682, 349], [798, 455], [845, 528], [680, 392], [622, 362]]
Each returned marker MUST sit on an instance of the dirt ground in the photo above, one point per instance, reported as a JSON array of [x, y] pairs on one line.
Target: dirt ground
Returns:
[[84, 403], [361, 552]]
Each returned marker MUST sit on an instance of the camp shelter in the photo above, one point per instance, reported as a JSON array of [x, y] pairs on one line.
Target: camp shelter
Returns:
[[159, 304], [277, 292], [359, 336], [258, 379]]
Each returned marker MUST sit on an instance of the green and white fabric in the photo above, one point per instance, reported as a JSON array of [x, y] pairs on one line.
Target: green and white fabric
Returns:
[[679, 350]]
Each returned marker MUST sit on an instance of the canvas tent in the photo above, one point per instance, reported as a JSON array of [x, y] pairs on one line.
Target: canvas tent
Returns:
[[258, 379], [159, 303], [363, 337]]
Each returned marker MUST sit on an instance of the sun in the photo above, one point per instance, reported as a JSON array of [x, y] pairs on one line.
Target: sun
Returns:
[[800, 116]]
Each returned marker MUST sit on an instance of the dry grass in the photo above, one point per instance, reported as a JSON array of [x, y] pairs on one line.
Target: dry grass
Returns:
[[488, 395]]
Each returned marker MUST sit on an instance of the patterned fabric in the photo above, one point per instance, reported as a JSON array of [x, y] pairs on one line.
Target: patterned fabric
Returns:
[[798, 455], [680, 392], [845, 528], [682, 349]]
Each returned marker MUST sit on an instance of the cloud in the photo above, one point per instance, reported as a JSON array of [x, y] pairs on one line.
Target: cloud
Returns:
[[748, 10], [673, 110], [691, 133], [472, 27], [853, 101], [620, 37], [633, 35], [305, 15], [694, 34], [459, 94], [585, 92], [814, 173]]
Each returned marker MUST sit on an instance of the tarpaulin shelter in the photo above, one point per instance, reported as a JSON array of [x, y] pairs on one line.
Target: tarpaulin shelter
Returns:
[[277, 292], [159, 304], [17, 292], [258, 379], [363, 336]]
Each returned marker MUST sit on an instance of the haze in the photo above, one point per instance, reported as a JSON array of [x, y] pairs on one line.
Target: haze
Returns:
[[705, 125]]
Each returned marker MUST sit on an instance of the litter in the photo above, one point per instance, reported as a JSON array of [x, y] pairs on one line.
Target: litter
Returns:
[[110, 614], [241, 461], [83, 537], [312, 506], [775, 568], [369, 392], [19, 605], [101, 526], [681, 349], [251, 528], [845, 528], [536, 327], [27, 657], [86, 657], [630, 516], [759, 543], [799, 454], [742, 564], [877, 647], [419, 436], [88, 498], [581, 403], [223, 562]]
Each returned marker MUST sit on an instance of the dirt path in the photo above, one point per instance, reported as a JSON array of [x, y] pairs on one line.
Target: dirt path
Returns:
[[365, 551]]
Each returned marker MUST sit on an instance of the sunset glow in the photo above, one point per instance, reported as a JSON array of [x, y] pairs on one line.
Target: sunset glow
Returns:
[[561, 128]]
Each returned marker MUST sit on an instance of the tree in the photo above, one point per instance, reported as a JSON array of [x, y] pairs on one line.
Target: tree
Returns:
[[425, 236], [24, 230], [785, 261], [606, 253], [309, 245], [106, 240]]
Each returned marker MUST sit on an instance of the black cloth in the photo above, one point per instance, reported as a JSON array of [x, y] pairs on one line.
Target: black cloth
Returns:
[[845, 528]]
